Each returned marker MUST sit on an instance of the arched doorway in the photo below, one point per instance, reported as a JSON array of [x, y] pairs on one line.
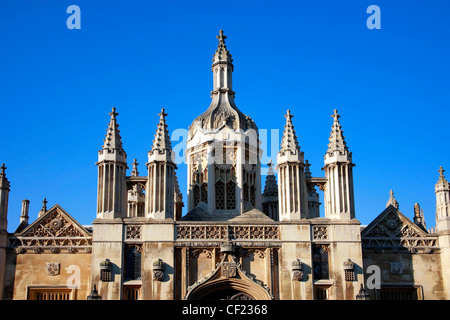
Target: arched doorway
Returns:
[[228, 282], [229, 289], [228, 294]]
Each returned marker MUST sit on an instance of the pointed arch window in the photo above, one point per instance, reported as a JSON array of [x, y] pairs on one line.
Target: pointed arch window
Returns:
[[200, 188], [249, 189]]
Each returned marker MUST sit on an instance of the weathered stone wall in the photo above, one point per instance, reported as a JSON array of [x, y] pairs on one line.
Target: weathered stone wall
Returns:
[[421, 270], [28, 270]]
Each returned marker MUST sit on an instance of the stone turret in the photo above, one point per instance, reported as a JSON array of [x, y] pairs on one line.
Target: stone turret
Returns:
[[339, 195], [292, 192], [222, 152], [442, 191], [161, 174], [112, 165], [4, 197]]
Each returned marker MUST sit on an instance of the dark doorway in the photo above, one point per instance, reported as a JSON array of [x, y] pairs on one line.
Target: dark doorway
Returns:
[[228, 294]]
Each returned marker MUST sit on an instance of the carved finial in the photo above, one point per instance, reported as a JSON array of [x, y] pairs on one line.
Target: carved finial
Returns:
[[441, 172], [288, 115], [44, 204], [392, 201], [135, 172], [221, 37], [307, 171], [335, 115], [3, 168], [270, 171], [113, 113], [162, 114]]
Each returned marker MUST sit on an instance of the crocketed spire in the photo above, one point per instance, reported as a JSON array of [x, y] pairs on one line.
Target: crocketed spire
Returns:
[[112, 138], [442, 183], [271, 186], [162, 139], [392, 201], [222, 54], [337, 139], [135, 172], [289, 141]]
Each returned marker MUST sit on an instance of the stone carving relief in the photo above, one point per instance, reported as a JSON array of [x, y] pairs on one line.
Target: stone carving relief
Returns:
[[297, 270], [158, 270], [52, 268], [133, 233], [394, 233], [54, 232], [320, 233], [229, 269]]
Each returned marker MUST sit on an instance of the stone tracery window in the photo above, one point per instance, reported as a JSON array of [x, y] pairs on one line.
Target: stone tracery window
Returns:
[[200, 188], [225, 185]]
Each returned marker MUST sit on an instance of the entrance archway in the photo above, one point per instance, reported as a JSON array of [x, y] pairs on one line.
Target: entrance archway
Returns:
[[229, 289], [227, 294]]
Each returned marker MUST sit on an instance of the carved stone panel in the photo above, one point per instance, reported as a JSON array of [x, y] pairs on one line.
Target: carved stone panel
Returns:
[[52, 268], [320, 233]]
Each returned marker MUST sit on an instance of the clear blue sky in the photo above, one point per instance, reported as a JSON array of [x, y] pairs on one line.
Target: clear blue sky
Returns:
[[57, 86]]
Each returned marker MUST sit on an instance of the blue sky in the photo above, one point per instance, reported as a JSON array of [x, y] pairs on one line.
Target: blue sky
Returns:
[[57, 86]]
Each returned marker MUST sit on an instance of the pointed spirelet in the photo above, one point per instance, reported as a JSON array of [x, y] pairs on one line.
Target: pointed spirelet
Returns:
[[392, 201], [337, 139], [113, 141], [307, 170], [222, 54], [442, 183], [162, 139], [289, 142], [135, 172], [4, 183], [271, 186]]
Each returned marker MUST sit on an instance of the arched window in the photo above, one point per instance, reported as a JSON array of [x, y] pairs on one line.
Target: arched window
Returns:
[[133, 262]]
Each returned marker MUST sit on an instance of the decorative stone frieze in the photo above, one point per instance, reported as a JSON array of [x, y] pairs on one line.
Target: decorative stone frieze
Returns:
[[193, 232]]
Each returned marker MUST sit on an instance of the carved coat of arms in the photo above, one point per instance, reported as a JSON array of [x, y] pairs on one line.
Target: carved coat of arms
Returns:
[[229, 269], [53, 268]]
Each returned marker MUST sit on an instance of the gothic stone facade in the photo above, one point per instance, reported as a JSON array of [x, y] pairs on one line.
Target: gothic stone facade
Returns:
[[236, 241]]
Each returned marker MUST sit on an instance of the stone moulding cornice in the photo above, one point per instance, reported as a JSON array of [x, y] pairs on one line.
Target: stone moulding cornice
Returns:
[[222, 62]]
